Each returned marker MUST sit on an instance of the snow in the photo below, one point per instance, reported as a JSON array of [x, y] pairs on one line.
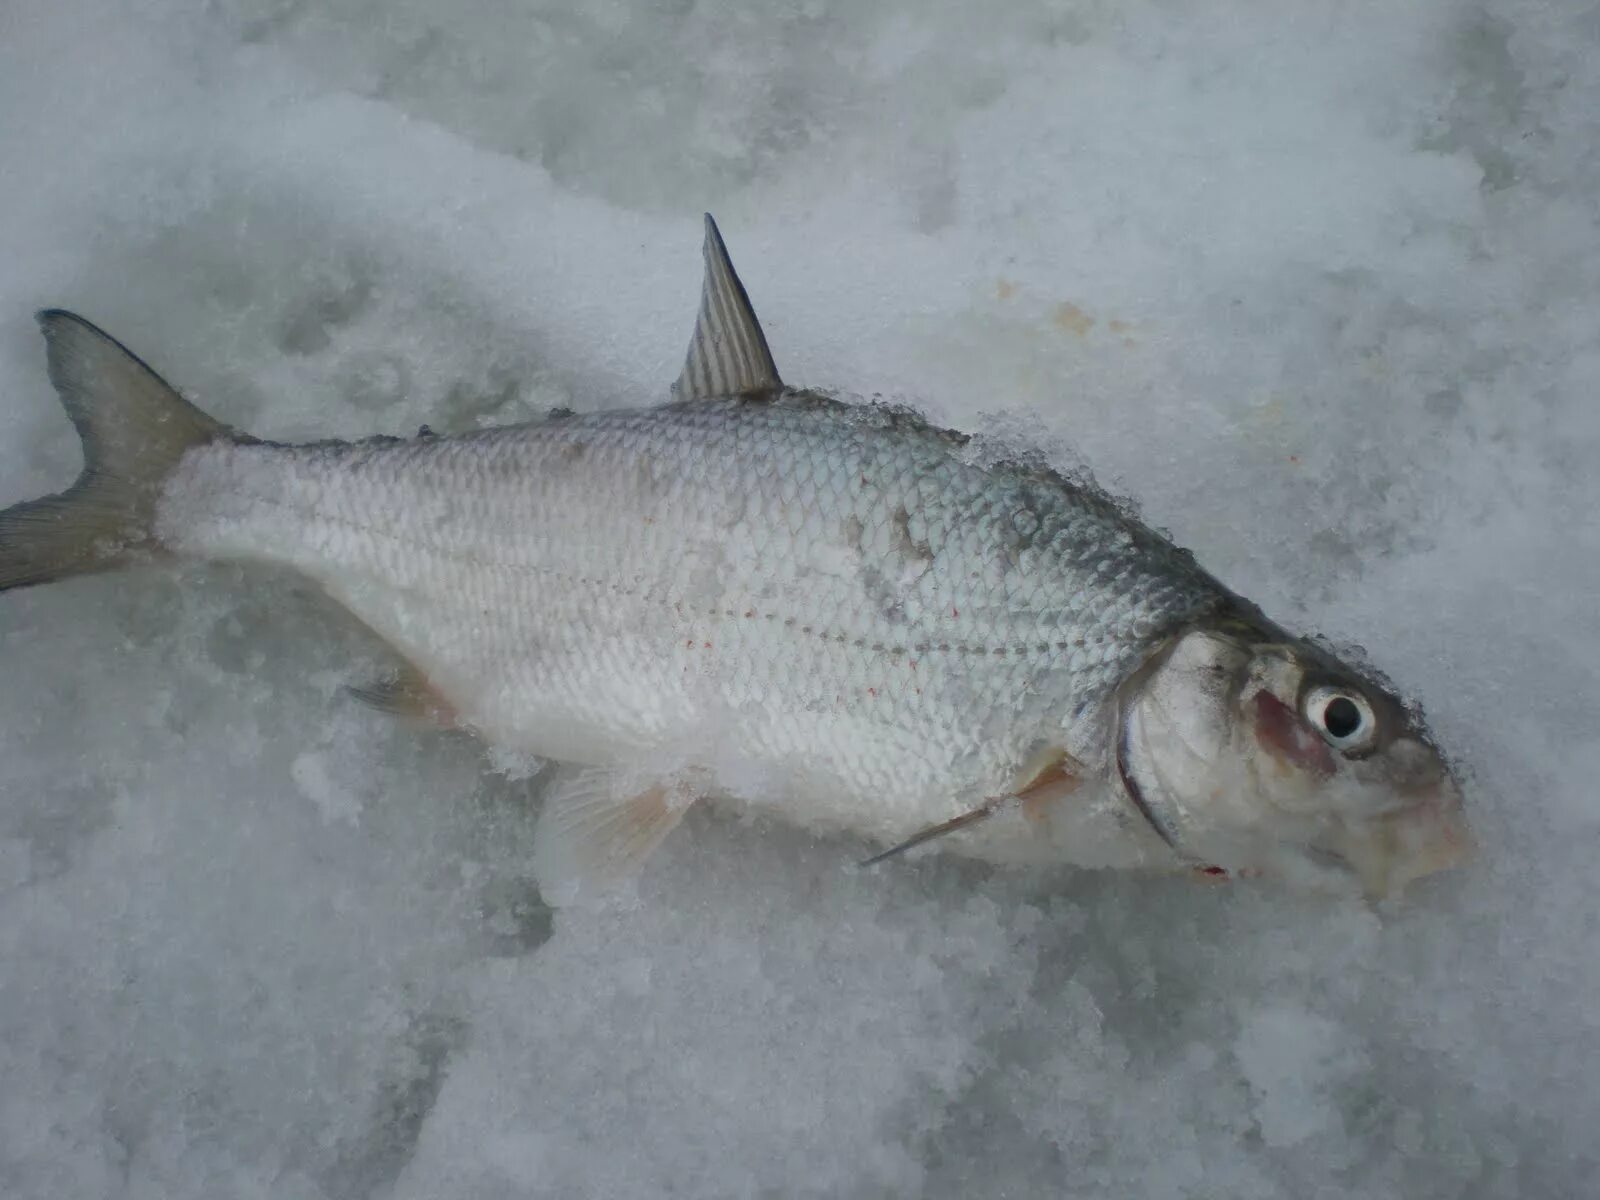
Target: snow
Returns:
[[1313, 283]]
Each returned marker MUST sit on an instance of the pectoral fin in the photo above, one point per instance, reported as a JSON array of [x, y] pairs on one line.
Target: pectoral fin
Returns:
[[1048, 776], [589, 836], [985, 810]]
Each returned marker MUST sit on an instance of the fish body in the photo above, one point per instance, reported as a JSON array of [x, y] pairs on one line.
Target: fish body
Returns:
[[828, 596], [831, 610]]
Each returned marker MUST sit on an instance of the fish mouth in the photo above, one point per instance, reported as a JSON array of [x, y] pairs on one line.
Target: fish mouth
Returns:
[[1424, 839]]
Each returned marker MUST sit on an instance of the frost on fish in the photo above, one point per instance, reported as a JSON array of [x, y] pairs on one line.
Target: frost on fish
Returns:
[[759, 593]]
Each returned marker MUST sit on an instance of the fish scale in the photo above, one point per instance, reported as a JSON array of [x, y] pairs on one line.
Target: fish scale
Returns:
[[794, 584]]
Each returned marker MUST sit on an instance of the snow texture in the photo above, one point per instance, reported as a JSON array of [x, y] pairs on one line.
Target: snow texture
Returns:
[[1314, 282]]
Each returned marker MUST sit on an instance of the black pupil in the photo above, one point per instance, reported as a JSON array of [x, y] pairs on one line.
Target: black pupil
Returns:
[[1341, 718]]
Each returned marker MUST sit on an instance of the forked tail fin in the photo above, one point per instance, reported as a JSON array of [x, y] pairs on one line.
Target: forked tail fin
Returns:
[[135, 427]]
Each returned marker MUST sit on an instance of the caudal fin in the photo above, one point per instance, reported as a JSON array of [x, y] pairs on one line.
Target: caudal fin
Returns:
[[134, 427]]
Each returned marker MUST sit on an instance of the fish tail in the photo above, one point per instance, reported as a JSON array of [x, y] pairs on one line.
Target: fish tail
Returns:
[[135, 427]]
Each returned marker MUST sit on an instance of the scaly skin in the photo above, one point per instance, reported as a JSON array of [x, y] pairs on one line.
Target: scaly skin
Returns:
[[826, 602]]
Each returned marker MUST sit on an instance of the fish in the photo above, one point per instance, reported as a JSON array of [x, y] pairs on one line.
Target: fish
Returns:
[[771, 598]]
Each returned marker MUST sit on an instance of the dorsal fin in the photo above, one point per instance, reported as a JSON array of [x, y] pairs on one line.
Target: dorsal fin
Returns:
[[728, 354]]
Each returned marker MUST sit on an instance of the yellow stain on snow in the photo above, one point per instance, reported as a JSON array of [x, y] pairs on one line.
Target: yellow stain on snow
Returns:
[[1070, 317], [1268, 413], [1067, 316]]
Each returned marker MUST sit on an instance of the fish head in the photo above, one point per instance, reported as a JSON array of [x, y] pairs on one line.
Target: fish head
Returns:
[[1263, 754]]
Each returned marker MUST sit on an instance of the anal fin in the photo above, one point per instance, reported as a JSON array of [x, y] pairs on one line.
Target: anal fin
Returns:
[[595, 831], [406, 693], [971, 817]]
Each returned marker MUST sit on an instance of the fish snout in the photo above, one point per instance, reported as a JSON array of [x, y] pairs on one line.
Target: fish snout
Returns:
[[1429, 835]]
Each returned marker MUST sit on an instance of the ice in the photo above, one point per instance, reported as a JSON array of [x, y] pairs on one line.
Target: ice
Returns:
[[1313, 284]]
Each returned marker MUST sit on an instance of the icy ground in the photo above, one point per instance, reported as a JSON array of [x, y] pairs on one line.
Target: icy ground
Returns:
[[1315, 282]]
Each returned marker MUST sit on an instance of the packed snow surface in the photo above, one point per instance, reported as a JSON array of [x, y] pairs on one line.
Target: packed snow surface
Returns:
[[1315, 283]]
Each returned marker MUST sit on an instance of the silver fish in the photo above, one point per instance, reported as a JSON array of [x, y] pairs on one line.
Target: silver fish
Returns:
[[764, 595]]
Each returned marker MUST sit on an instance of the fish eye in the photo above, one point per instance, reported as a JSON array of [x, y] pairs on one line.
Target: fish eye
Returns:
[[1344, 719]]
